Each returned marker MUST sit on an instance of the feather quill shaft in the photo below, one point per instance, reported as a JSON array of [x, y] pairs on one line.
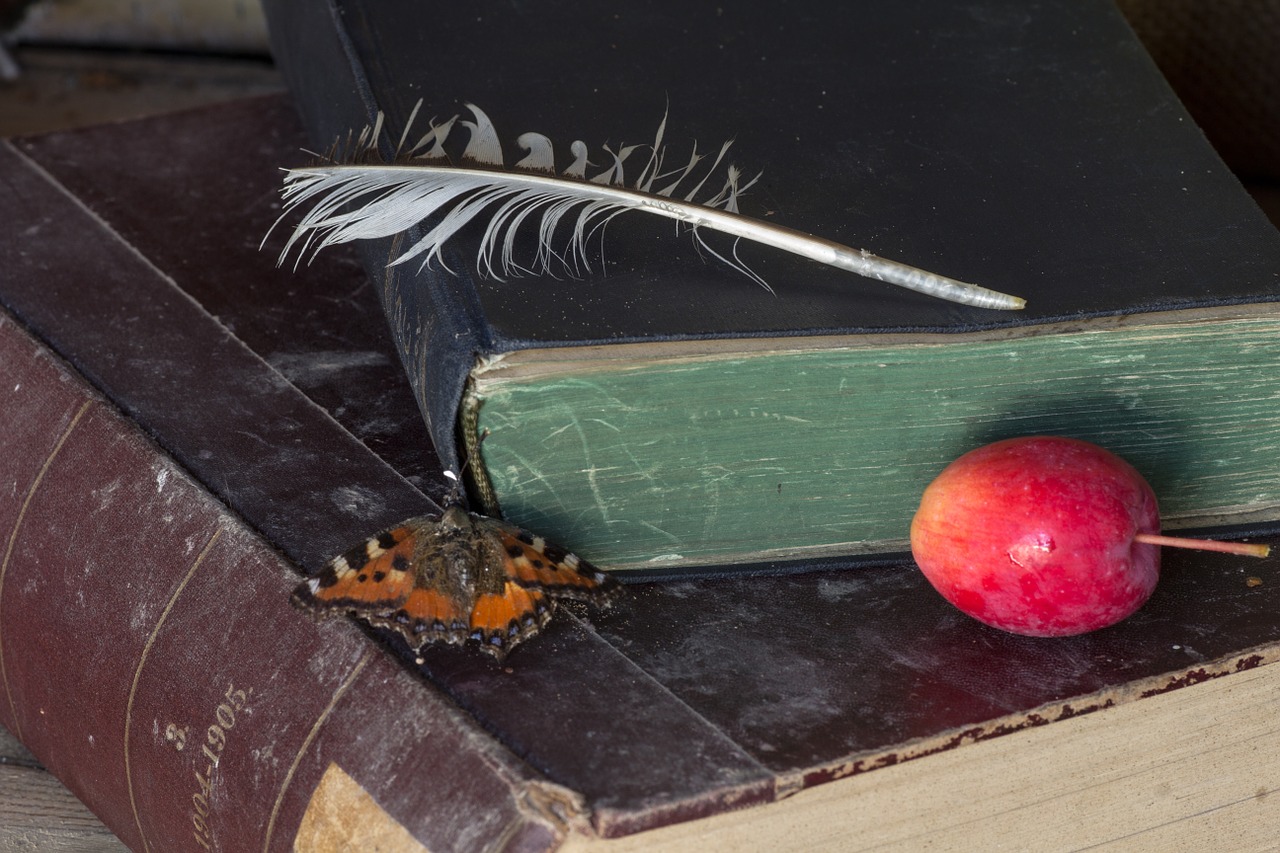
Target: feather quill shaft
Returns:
[[357, 201]]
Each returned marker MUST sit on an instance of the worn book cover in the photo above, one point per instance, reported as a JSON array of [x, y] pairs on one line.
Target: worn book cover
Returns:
[[665, 413]]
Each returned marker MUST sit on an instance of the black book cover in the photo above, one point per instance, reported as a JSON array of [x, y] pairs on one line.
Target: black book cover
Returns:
[[1033, 150]]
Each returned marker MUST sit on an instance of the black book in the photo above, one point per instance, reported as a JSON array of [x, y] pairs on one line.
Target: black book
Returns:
[[665, 412]]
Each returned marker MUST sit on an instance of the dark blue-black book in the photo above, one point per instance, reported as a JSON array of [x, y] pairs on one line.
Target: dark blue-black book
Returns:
[[663, 411]]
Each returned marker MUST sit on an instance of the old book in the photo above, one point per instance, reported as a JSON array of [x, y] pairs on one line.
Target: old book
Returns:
[[188, 427], [667, 413], [149, 657]]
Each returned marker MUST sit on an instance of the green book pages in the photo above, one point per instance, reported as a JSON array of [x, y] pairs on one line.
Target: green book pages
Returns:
[[654, 456]]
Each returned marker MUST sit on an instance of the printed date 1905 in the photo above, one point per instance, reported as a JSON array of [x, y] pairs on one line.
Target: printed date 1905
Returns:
[[210, 753]]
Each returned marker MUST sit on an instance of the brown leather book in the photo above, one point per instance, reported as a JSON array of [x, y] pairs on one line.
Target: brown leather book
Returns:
[[149, 656], [187, 427]]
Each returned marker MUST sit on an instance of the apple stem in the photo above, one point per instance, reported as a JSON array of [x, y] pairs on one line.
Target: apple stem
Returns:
[[1241, 548]]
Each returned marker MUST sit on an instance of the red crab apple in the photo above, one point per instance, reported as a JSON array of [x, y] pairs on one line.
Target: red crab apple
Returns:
[[1044, 536]]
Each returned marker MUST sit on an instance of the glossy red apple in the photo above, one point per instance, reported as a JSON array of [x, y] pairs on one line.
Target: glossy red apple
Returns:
[[1044, 536]]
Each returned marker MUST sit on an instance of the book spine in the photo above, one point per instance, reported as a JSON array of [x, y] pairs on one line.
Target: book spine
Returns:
[[150, 660]]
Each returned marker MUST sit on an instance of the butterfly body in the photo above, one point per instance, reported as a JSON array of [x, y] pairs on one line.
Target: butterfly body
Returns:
[[455, 577]]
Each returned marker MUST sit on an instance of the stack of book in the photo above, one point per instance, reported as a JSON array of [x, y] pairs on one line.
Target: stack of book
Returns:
[[188, 427]]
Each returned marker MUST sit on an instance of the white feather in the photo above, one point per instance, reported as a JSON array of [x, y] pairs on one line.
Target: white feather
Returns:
[[362, 200]]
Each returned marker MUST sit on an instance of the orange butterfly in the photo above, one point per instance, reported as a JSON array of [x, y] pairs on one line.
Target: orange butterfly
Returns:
[[455, 577]]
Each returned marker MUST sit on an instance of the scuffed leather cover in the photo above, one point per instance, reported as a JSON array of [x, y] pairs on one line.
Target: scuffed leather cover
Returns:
[[150, 659]]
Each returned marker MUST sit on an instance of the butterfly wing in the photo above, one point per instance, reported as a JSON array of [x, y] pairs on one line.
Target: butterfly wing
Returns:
[[520, 576], [376, 575], [502, 620], [531, 562], [427, 616], [455, 578]]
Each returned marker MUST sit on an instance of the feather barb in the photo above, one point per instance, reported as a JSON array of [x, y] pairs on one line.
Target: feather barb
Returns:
[[368, 199]]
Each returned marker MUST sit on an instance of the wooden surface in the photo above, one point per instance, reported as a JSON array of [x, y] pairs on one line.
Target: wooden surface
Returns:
[[38, 813]]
